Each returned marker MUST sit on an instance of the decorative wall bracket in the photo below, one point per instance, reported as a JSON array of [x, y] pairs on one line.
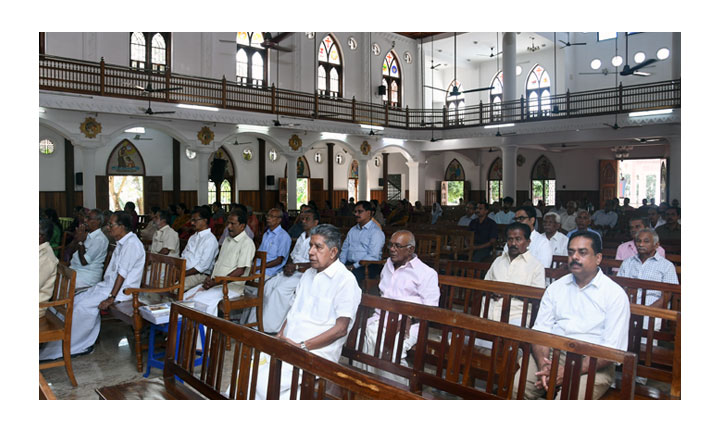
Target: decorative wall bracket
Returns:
[[295, 142], [90, 127], [206, 135]]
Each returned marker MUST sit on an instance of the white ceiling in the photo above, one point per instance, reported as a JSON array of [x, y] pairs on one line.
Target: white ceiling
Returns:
[[474, 48]]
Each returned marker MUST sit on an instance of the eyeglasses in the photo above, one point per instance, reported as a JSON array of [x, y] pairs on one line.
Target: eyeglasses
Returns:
[[111, 225], [520, 218], [360, 211], [398, 245]]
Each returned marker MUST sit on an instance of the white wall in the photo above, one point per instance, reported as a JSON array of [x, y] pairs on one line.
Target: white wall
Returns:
[[52, 166]]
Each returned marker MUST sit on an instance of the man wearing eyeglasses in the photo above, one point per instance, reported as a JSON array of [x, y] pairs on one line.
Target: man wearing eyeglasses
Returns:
[[539, 246], [276, 242], [404, 277], [364, 241]]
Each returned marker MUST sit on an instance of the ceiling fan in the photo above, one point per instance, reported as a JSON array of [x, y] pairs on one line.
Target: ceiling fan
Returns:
[[273, 42], [556, 148], [149, 88], [492, 54], [236, 143], [568, 44], [635, 70], [646, 140], [498, 134], [455, 88], [603, 71], [149, 110], [139, 138]]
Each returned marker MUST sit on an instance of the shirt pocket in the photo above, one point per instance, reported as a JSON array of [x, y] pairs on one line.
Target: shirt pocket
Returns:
[[321, 310]]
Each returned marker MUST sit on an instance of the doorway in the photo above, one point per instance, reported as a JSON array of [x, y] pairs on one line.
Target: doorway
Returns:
[[123, 189], [640, 179]]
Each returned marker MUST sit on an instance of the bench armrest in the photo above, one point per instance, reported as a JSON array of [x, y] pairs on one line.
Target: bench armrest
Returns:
[[54, 303], [131, 291]]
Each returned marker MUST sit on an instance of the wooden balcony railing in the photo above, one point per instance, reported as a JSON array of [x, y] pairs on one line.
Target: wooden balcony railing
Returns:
[[78, 76]]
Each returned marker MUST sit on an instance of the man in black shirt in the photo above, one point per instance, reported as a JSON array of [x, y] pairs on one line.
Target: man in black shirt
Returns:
[[486, 233]]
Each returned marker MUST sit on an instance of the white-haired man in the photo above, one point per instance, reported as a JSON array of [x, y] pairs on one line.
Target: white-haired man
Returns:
[[558, 241]]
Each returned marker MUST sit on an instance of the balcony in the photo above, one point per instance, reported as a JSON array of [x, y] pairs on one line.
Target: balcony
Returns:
[[101, 79]]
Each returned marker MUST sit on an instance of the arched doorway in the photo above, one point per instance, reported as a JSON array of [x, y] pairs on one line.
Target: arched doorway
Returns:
[[303, 183], [542, 181], [495, 186], [125, 181], [221, 182], [454, 186], [353, 177]]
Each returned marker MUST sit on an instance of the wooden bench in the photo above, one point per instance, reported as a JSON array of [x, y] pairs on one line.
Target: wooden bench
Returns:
[[476, 270], [453, 356], [660, 363], [162, 275], [56, 324], [238, 374], [46, 392]]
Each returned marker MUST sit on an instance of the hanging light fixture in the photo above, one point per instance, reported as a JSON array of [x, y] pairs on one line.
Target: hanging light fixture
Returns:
[[621, 152]]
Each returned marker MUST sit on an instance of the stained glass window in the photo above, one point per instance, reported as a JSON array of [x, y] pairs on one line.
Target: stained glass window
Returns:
[[385, 84], [391, 78], [251, 59], [329, 68], [225, 192], [537, 90], [137, 50], [158, 52], [47, 147], [212, 191], [455, 103], [495, 185]]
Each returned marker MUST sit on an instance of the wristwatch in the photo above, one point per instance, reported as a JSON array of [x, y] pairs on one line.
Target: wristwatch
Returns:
[[302, 345], [81, 243]]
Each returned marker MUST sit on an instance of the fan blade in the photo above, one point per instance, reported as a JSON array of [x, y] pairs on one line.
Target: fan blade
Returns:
[[477, 89], [152, 90], [580, 43], [627, 70], [161, 112], [614, 126], [435, 88], [562, 41]]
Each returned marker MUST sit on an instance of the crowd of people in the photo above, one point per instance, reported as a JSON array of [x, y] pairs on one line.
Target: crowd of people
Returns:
[[312, 291]]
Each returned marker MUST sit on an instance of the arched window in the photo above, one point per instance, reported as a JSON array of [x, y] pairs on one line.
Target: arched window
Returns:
[[251, 59], [455, 103], [537, 91], [391, 80], [221, 189], [495, 185], [543, 181], [496, 96], [353, 176], [156, 53], [329, 68]]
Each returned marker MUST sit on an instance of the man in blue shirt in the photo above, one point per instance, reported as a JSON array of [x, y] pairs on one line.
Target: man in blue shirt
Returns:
[[364, 241], [276, 242]]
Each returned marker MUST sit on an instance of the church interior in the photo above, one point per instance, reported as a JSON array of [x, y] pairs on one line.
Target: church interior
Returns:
[[419, 119]]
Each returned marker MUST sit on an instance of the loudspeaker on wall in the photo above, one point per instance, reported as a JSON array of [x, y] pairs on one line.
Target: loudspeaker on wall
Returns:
[[270, 181], [78, 179]]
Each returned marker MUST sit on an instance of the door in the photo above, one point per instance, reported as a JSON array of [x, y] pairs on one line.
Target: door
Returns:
[[282, 187], [316, 191], [102, 192], [152, 192], [608, 181]]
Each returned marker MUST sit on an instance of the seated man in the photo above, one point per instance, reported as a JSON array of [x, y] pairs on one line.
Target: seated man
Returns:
[[582, 221], [404, 277], [647, 264], [201, 249], [584, 305], [558, 241], [486, 233], [124, 271], [248, 231], [297, 227], [516, 265], [364, 241], [48, 263], [323, 312], [605, 219], [505, 216], [130, 209], [235, 260], [280, 290], [539, 244], [628, 249], [656, 219], [567, 219], [147, 233], [276, 242], [670, 231], [469, 215], [89, 248], [165, 240]]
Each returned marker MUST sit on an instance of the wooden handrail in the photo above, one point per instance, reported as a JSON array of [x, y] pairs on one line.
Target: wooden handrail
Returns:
[[84, 77]]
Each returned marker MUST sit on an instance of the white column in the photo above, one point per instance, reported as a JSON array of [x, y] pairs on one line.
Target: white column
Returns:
[[673, 167], [363, 194], [88, 170], [292, 182], [509, 173], [203, 161], [416, 182], [509, 62]]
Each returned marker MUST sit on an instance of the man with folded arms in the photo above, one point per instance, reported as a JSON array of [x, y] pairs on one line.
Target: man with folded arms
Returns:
[[89, 247], [404, 277], [585, 305]]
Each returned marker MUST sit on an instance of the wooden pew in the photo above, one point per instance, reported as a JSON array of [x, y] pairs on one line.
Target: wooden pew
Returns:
[[46, 392], [476, 270], [660, 363], [163, 275], [454, 355], [321, 378]]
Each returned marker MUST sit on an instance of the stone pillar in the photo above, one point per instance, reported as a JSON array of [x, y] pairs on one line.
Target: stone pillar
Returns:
[[292, 182], [330, 174], [386, 160], [363, 194], [673, 168], [509, 172], [88, 150], [203, 160], [675, 59], [509, 62], [262, 174], [416, 182]]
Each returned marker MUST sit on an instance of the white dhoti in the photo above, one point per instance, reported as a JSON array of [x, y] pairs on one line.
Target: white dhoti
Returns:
[[207, 300], [85, 324], [279, 296], [285, 378], [369, 348]]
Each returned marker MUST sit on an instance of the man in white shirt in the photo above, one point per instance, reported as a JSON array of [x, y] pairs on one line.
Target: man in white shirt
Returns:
[[584, 305], [469, 215], [235, 260], [201, 249], [605, 219], [558, 241], [48, 263], [124, 271], [567, 220], [516, 265], [323, 312], [280, 290], [539, 245], [506, 216], [403, 277], [655, 218], [90, 249], [165, 240]]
